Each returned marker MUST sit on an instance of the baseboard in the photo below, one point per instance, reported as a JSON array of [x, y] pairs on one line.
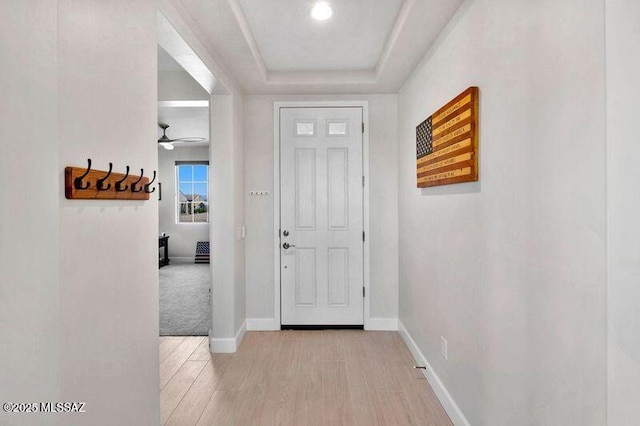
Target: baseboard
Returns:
[[447, 401], [228, 345], [222, 346], [240, 334], [181, 260], [382, 324], [262, 324], [269, 324]]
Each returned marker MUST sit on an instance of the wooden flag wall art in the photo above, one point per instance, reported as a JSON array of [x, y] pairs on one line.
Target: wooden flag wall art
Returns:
[[447, 143]]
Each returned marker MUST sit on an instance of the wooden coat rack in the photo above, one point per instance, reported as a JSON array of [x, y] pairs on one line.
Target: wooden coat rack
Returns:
[[88, 184]]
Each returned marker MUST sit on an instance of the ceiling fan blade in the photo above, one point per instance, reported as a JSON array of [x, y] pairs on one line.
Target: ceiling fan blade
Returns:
[[188, 140], [168, 143]]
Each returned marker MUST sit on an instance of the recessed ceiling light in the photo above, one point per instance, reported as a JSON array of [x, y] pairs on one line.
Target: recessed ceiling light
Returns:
[[321, 11]]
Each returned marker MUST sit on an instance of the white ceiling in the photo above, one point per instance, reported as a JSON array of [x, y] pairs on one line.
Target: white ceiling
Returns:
[[185, 118], [290, 40], [166, 62], [185, 122], [273, 46]]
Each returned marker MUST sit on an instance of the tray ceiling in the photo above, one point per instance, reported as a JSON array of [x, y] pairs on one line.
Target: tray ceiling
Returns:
[[273, 46], [290, 40]]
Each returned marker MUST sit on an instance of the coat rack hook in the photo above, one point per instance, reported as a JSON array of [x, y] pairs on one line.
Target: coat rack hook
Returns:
[[119, 186], [100, 182], [146, 187], [135, 184], [77, 182]]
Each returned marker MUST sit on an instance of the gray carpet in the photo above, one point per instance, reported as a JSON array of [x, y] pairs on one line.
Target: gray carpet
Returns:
[[185, 307]]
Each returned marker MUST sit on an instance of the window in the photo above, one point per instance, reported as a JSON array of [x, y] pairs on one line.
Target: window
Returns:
[[305, 128], [338, 127], [193, 191]]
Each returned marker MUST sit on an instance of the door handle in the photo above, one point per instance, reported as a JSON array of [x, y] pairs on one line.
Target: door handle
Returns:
[[287, 245]]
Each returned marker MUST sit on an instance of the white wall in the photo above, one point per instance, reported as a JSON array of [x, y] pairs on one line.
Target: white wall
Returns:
[[29, 230], [108, 268], [511, 270], [239, 220], [227, 213], [258, 111], [80, 272], [179, 86], [623, 90], [182, 236]]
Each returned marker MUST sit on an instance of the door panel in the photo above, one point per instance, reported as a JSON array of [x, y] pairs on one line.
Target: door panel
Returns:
[[338, 198], [305, 193], [306, 277], [338, 272], [321, 211]]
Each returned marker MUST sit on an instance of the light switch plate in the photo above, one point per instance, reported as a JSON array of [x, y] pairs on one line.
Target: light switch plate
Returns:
[[444, 347]]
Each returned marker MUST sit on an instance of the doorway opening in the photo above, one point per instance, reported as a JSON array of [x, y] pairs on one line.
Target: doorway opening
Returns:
[[183, 206]]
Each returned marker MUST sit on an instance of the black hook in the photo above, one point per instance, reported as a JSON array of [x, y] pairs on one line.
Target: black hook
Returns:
[[119, 188], [100, 182], [77, 182], [135, 184], [146, 187]]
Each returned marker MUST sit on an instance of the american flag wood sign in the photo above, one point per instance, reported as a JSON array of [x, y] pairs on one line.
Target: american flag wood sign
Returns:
[[447, 143]]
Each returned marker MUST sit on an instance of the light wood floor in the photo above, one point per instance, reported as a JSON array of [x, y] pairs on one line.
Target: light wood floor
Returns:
[[296, 378]]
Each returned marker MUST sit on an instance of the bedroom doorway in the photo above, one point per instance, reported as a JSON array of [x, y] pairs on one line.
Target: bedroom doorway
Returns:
[[183, 203]]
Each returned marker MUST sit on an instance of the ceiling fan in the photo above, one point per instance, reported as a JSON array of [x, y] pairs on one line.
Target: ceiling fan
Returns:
[[167, 143]]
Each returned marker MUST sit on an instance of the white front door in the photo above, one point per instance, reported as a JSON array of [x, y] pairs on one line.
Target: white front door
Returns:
[[321, 216]]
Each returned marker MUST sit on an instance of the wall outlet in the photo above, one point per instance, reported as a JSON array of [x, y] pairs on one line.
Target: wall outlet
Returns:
[[258, 192], [443, 347]]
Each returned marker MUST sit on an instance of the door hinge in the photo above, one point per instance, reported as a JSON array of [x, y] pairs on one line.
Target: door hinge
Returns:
[[362, 235], [362, 127], [363, 181], [363, 293]]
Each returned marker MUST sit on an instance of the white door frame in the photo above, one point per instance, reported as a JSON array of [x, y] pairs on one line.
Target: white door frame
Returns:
[[276, 198]]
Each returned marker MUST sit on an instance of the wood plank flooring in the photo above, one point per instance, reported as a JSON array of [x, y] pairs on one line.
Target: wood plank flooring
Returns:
[[296, 378]]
